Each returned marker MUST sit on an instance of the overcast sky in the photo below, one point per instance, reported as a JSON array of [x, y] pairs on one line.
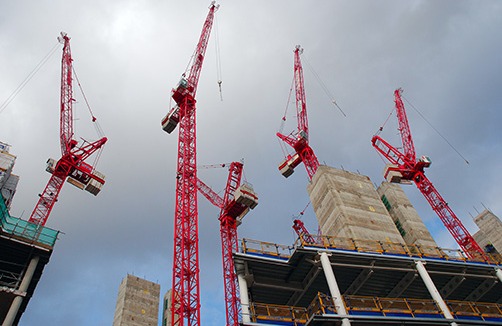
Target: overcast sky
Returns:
[[129, 54]]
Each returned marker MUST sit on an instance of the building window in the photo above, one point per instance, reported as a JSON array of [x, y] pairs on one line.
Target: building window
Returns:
[[386, 202], [400, 228]]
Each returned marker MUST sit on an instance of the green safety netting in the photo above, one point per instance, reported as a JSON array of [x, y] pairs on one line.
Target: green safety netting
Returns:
[[29, 231]]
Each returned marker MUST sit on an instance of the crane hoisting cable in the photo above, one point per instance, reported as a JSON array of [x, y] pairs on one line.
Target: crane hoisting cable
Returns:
[[25, 81]]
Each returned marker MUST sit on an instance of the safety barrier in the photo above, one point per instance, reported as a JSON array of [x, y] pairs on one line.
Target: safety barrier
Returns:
[[382, 247], [286, 315], [476, 310], [322, 304], [266, 248], [28, 231], [358, 245]]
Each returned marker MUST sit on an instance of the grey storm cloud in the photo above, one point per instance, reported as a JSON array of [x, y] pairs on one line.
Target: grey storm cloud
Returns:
[[128, 56]]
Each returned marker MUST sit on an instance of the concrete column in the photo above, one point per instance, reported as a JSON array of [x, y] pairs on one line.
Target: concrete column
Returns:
[[498, 271], [333, 288], [243, 289], [433, 290], [16, 303]]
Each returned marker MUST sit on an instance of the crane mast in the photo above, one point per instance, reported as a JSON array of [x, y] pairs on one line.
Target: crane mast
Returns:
[[185, 308], [299, 139], [229, 243], [71, 165], [66, 102], [237, 201], [405, 168]]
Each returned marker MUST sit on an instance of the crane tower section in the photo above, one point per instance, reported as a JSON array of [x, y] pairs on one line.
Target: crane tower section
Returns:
[[185, 307], [238, 199]]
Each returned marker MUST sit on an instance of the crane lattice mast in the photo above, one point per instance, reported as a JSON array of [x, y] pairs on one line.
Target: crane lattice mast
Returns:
[[405, 168], [71, 166], [299, 139], [185, 308], [234, 205]]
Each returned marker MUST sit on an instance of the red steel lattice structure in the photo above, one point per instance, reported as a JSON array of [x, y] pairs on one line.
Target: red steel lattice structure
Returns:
[[185, 308], [299, 139], [72, 160], [302, 231], [232, 211], [405, 168]]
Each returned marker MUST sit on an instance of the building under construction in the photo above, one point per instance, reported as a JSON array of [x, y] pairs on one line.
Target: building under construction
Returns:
[[490, 231], [376, 264], [137, 302], [25, 248]]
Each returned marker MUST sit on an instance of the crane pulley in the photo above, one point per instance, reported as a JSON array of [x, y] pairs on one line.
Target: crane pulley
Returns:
[[405, 168]]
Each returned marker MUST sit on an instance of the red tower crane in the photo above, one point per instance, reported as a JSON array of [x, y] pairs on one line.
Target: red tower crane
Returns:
[[405, 168], [185, 284], [71, 166], [302, 231], [238, 199], [299, 139]]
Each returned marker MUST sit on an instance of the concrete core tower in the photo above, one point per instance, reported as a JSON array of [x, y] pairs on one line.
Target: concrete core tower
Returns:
[[137, 303], [347, 206]]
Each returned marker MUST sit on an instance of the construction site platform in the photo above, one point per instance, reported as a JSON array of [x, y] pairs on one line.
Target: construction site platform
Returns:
[[379, 283], [20, 243]]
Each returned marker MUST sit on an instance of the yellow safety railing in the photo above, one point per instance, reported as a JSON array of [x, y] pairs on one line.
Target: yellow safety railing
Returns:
[[385, 307], [413, 307], [373, 246], [483, 310], [266, 248], [293, 315], [322, 304], [368, 246]]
